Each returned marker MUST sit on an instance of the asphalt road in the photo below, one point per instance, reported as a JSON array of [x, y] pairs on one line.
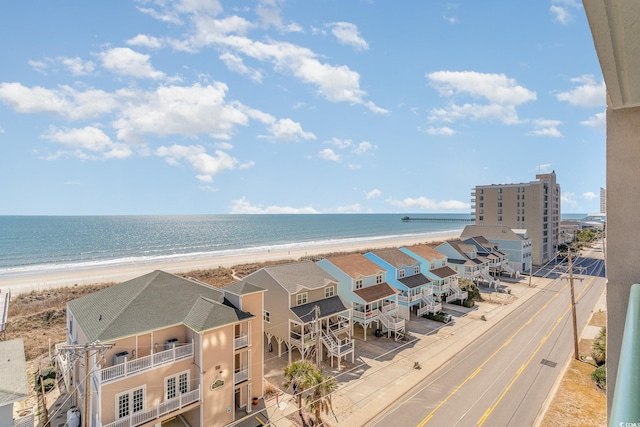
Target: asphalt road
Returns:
[[504, 377]]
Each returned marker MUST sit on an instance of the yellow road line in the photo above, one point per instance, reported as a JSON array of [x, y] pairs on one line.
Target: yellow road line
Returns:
[[428, 417], [524, 366]]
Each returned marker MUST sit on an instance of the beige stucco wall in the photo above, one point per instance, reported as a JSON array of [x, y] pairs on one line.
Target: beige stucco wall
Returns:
[[253, 304], [623, 230], [217, 350]]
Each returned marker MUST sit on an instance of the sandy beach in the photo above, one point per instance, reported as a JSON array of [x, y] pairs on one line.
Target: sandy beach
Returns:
[[28, 283]]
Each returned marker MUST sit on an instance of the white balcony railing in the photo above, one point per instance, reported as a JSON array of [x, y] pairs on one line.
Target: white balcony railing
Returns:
[[157, 411], [135, 366], [389, 307], [363, 316], [302, 339], [240, 375], [241, 341]]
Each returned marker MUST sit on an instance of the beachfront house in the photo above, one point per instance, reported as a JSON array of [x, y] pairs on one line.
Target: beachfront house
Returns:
[[161, 347], [14, 386], [433, 264], [361, 283], [464, 259], [303, 311], [498, 261], [516, 245], [403, 273]]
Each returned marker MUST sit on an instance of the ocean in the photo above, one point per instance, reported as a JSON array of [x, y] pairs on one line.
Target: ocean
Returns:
[[43, 244]]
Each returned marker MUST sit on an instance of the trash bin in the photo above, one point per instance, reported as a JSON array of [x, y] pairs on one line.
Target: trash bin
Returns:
[[378, 333]]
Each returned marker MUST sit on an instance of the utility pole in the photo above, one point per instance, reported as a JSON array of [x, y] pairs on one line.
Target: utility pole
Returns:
[[73, 353], [318, 342], [573, 310]]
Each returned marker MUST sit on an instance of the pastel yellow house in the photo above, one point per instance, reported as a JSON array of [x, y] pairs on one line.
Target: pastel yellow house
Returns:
[[161, 347]]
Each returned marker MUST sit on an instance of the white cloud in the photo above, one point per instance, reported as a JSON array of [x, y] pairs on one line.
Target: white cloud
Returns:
[[589, 195], [86, 139], [428, 204], [355, 208], [2, 130], [329, 154], [363, 148], [128, 62], [562, 10], [347, 33], [501, 93], [144, 40], [206, 164], [77, 66], [588, 93], [234, 63], [340, 143], [440, 131], [243, 206], [543, 168], [569, 199], [544, 127], [65, 101], [223, 146], [269, 13], [451, 19], [39, 66], [288, 130], [180, 110], [373, 194], [597, 121], [293, 27]]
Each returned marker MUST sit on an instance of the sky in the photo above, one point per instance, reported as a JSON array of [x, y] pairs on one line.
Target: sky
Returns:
[[283, 106]]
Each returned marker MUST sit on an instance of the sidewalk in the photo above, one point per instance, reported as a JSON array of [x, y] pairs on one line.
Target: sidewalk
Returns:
[[384, 371]]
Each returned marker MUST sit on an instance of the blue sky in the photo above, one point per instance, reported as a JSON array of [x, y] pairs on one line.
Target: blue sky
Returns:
[[282, 106]]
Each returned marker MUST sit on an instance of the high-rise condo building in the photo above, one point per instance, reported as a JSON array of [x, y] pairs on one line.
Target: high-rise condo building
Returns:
[[533, 206]]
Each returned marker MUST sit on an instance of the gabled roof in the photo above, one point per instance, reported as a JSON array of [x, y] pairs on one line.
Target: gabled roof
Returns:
[[461, 249], [415, 280], [295, 277], [153, 301], [444, 272], [376, 292], [490, 232], [355, 265], [426, 252], [328, 307], [242, 288], [395, 257], [13, 372]]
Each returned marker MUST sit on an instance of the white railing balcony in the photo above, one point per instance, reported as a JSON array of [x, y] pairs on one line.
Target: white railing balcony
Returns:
[[363, 316], [157, 411], [392, 323], [392, 306], [302, 339], [132, 367], [240, 375], [427, 290], [403, 298], [339, 326], [241, 341]]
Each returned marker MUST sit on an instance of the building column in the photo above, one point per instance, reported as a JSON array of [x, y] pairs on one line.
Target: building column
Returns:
[[622, 228]]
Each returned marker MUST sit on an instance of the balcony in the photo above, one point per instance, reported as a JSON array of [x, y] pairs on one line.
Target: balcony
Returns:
[[626, 398], [363, 316], [301, 340], [241, 341], [241, 375], [392, 306], [157, 411], [141, 364]]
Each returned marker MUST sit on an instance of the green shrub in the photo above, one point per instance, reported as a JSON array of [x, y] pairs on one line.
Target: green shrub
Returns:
[[599, 376], [599, 347], [471, 288], [468, 303], [48, 384]]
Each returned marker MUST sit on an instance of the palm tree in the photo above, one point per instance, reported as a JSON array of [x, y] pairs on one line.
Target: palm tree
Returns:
[[319, 398], [297, 375]]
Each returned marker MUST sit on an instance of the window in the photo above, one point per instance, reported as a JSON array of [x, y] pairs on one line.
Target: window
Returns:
[[416, 269], [301, 298], [176, 385], [499, 211], [329, 292], [130, 402], [500, 190], [481, 218], [499, 204], [481, 191], [266, 316], [379, 278], [500, 197], [481, 205], [481, 198], [401, 273], [518, 204], [500, 218], [481, 211], [523, 197], [359, 284]]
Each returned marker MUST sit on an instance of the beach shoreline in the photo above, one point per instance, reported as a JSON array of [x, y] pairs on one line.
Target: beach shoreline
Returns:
[[19, 284]]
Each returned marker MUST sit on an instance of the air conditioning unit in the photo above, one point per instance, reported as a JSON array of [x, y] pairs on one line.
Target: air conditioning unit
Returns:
[[121, 357], [171, 343]]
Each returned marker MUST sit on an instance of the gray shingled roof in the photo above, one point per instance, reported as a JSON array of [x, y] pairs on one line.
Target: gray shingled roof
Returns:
[[395, 257], [297, 276], [13, 372], [491, 232], [242, 288], [155, 300], [415, 280], [328, 307], [208, 314]]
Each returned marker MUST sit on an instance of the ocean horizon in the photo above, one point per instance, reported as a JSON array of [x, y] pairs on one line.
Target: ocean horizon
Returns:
[[45, 244]]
